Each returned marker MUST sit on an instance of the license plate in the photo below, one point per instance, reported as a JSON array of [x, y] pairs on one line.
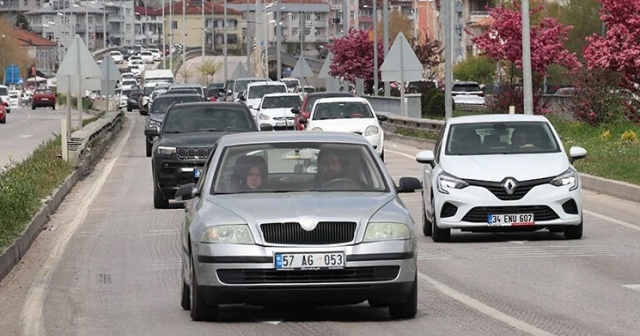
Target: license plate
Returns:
[[45, 98], [280, 123], [197, 172], [510, 220], [292, 261]]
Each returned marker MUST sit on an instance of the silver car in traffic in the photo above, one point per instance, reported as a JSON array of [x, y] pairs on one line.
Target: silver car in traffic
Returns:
[[297, 217]]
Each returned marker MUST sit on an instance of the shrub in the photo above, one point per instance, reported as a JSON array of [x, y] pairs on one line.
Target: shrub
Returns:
[[87, 103], [436, 106], [596, 99], [425, 99]]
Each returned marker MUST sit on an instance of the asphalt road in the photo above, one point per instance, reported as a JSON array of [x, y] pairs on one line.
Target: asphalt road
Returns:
[[26, 129], [108, 264]]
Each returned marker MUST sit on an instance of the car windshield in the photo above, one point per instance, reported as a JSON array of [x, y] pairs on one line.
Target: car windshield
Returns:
[[311, 99], [501, 138], [241, 85], [44, 92], [466, 88], [298, 167], [309, 89], [259, 91], [282, 101], [207, 118], [125, 92], [148, 90], [4, 92], [341, 110], [161, 105], [291, 84]]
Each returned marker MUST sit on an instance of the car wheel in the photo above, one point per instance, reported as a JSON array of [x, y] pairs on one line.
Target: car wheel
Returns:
[[3, 120], [149, 147], [33, 107], [409, 308], [573, 231], [200, 309], [53, 107], [426, 224], [438, 235], [159, 202], [185, 302]]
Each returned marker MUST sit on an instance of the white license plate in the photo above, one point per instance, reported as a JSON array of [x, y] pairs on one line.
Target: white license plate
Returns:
[[45, 98], [289, 261], [510, 220], [280, 123]]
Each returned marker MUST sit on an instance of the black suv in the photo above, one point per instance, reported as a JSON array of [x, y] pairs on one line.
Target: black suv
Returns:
[[159, 108], [186, 138], [133, 99]]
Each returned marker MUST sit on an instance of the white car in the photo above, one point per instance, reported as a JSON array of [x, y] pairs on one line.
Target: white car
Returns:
[[275, 110], [500, 173], [256, 90], [347, 114], [127, 75], [157, 54], [147, 56], [116, 56], [128, 83], [14, 98], [136, 69], [4, 95]]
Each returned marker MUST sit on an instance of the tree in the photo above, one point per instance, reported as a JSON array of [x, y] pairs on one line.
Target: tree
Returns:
[[11, 51], [583, 16], [503, 42], [479, 68], [208, 69], [398, 22], [185, 73], [430, 55], [22, 22], [353, 58]]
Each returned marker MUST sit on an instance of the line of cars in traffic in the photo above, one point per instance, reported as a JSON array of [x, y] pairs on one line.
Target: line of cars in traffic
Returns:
[[244, 241]]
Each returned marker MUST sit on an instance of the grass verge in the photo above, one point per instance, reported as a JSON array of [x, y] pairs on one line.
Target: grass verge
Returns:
[[24, 185], [87, 121], [613, 150]]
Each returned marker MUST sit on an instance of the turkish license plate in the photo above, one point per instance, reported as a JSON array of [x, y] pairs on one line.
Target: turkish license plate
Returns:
[[45, 99], [302, 261], [197, 172], [510, 220], [280, 123]]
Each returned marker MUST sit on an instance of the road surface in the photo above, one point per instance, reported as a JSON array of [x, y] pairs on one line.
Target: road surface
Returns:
[[109, 264], [193, 64]]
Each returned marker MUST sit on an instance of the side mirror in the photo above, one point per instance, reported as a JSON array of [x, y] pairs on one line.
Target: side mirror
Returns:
[[187, 192], [409, 185], [266, 127], [577, 153], [152, 131], [303, 120], [382, 117], [255, 107], [425, 157], [229, 92], [295, 110]]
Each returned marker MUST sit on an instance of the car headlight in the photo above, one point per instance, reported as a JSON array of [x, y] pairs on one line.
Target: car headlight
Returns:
[[316, 129], [387, 231], [162, 150], [154, 123], [447, 181], [263, 116], [227, 234], [372, 130], [568, 178]]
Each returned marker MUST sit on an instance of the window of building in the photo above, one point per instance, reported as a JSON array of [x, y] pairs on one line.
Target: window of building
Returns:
[[128, 28], [244, 16], [91, 20], [307, 31], [50, 35], [294, 16], [352, 15], [307, 17], [174, 24], [244, 32], [294, 31]]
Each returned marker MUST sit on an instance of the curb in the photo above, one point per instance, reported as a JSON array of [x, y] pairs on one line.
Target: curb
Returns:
[[15, 252], [622, 190]]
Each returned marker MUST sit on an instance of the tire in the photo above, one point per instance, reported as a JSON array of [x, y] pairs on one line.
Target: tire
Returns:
[[33, 107], [53, 107], [572, 232], [439, 235], [159, 202], [185, 302], [426, 224], [200, 309], [149, 147], [3, 120], [409, 308]]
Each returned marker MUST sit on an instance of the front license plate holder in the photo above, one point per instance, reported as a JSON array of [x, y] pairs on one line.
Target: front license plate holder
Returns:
[[309, 261], [510, 219]]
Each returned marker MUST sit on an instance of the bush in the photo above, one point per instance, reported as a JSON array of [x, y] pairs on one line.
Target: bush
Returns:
[[436, 106], [425, 99], [23, 185], [596, 99], [87, 103]]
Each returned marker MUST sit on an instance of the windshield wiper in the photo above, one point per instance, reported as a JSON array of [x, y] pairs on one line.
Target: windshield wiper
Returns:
[[210, 130], [174, 132]]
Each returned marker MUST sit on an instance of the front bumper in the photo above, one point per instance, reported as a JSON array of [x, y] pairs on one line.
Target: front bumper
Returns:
[[172, 173], [377, 141], [279, 125], [470, 207], [246, 274]]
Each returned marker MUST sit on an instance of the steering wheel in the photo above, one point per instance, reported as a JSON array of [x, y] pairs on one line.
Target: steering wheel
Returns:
[[347, 181]]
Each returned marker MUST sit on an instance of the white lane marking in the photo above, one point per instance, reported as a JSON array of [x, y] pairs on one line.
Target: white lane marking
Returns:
[[611, 220], [32, 311], [586, 211], [483, 308], [633, 287], [24, 136]]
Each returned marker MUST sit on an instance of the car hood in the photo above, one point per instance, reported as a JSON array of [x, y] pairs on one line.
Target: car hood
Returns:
[[199, 139], [277, 207], [278, 112], [495, 168], [253, 101], [344, 125], [157, 117]]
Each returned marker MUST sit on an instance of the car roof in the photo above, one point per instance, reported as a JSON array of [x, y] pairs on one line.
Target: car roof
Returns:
[[281, 94], [330, 94], [185, 85], [292, 137], [252, 78], [268, 83], [341, 99], [217, 104], [496, 118]]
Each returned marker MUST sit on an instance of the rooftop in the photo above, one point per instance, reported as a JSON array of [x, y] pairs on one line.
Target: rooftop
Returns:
[[28, 39]]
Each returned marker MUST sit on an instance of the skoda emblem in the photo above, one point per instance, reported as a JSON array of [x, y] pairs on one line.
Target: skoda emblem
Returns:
[[510, 186], [308, 223]]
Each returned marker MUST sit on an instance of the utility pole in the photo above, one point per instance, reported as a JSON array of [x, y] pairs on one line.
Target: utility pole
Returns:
[[248, 38], [204, 29], [164, 40], [345, 17], [278, 41], [375, 48], [184, 34], [447, 10], [526, 59], [385, 37], [171, 8], [224, 47]]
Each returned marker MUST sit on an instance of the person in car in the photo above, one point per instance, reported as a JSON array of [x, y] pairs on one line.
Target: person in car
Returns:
[[520, 139], [329, 166], [251, 172]]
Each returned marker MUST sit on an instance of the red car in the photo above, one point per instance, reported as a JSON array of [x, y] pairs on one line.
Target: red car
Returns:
[[307, 105], [3, 111], [43, 98]]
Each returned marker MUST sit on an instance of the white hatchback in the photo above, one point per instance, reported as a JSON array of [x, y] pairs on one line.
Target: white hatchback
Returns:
[[502, 172], [347, 114], [275, 110]]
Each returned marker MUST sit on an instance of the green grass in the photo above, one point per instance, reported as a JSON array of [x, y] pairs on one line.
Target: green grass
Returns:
[[87, 121], [24, 185], [607, 156]]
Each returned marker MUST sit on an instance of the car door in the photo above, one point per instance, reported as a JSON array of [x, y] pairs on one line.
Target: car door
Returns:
[[429, 173]]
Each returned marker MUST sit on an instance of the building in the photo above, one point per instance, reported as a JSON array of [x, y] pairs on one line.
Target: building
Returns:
[[121, 21], [148, 25], [40, 49], [337, 27], [188, 29]]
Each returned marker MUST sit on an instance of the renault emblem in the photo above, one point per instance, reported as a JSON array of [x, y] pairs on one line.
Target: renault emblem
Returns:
[[510, 186]]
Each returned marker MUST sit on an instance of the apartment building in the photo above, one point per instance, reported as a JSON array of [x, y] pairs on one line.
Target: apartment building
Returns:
[[148, 25]]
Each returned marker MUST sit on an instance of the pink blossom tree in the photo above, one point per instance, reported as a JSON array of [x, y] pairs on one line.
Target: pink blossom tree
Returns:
[[503, 42], [353, 58]]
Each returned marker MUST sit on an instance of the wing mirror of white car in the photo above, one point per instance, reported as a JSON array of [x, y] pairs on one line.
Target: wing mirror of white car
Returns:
[[295, 110], [382, 117], [425, 157], [577, 153], [187, 192], [302, 120], [408, 185], [255, 107]]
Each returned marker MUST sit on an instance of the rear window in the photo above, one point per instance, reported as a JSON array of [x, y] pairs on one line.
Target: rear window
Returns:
[[161, 105], [466, 88], [44, 92], [259, 91], [207, 118], [4, 91], [311, 99]]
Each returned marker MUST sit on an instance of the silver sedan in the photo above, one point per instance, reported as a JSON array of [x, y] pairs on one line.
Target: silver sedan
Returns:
[[297, 217]]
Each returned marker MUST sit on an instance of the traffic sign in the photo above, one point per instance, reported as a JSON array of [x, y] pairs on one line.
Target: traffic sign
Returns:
[[301, 69], [326, 67], [78, 67]]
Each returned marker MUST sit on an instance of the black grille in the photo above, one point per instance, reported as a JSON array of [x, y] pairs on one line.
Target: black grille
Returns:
[[270, 276], [497, 188], [294, 234], [448, 210], [540, 213], [193, 152], [570, 207]]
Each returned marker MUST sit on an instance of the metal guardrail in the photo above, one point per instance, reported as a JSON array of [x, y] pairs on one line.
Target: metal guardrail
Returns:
[[416, 124], [80, 139]]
